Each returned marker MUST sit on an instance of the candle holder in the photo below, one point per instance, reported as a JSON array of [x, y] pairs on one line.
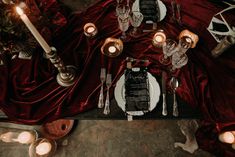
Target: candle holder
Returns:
[[159, 38], [227, 137], [42, 147], [190, 35], [24, 137], [90, 30], [112, 47], [66, 75]]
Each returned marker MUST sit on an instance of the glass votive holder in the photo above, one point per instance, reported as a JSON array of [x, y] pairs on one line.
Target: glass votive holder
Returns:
[[112, 47], [159, 38], [187, 34], [23, 137], [90, 30], [42, 147], [227, 137]]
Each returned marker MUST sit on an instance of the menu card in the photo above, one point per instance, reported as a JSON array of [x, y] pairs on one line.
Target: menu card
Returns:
[[137, 89]]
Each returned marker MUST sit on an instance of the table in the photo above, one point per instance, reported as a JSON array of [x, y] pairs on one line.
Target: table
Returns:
[[31, 95]]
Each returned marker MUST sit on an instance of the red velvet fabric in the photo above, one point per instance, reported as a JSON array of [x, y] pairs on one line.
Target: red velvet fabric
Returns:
[[31, 95]]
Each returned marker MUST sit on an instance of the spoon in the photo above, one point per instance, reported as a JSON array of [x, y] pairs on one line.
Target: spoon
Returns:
[[175, 84]]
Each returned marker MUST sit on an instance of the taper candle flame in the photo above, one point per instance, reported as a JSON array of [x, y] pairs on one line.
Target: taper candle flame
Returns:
[[19, 11]]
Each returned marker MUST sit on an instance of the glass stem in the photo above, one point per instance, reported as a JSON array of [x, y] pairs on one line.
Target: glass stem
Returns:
[[123, 34], [134, 30]]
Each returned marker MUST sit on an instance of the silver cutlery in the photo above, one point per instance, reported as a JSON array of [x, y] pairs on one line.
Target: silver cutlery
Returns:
[[107, 102], [175, 84], [102, 79], [164, 105], [173, 3], [178, 7]]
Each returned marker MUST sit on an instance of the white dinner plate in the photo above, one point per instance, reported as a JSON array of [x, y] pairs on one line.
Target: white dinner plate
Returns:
[[162, 8], [154, 93]]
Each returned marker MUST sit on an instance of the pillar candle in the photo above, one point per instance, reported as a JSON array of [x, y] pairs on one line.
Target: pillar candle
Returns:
[[33, 30]]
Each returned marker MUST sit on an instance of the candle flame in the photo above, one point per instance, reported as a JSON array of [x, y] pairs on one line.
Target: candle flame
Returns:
[[19, 11]]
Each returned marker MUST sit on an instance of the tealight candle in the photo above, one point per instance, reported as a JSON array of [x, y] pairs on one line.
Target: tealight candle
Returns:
[[194, 37], [43, 148], [159, 38], [33, 30], [226, 137], [90, 30], [9, 137], [112, 49], [25, 137]]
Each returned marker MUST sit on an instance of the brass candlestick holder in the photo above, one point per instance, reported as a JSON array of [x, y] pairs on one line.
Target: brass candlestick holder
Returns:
[[67, 74]]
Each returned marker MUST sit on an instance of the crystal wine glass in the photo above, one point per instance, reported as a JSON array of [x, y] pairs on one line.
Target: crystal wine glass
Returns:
[[122, 10], [136, 19], [123, 26], [168, 48], [179, 60]]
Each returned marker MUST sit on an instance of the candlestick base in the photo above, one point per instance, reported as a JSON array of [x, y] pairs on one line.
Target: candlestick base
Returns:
[[67, 79]]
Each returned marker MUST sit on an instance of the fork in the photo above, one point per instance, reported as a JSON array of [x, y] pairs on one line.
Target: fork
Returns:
[[107, 102], [173, 3], [102, 79]]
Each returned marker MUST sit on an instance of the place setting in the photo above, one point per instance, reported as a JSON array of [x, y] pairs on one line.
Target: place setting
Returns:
[[137, 91]]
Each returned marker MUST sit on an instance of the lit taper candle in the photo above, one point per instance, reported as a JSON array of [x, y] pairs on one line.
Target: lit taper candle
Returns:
[[33, 30], [67, 74]]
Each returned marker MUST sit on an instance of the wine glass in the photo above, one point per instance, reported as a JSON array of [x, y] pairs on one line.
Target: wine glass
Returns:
[[123, 25], [136, 19], [122, 10], [179, 57], [168, 48], [179, 60]]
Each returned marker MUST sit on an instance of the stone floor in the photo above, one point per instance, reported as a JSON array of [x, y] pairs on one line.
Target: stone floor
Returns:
[[108, 138]]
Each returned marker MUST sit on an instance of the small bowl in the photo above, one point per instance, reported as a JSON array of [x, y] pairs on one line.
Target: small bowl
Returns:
[[57, 129]]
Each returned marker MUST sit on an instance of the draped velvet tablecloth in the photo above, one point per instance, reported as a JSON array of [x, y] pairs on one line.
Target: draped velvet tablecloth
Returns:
[[31, 95]]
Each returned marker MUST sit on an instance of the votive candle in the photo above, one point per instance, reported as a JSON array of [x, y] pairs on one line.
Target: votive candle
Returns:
[[227, 137]]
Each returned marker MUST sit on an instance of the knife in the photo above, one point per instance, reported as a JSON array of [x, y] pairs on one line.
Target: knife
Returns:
[[164, 106]]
